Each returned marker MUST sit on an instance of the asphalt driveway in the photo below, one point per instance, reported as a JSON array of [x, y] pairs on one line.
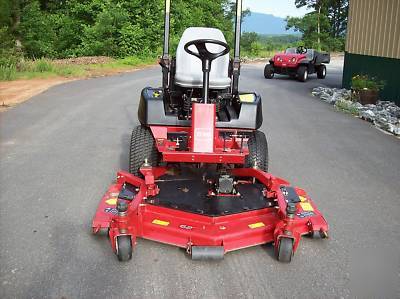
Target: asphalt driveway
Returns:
[[60, 150]]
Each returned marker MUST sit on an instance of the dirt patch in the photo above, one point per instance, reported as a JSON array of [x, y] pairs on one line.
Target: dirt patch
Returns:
[[18, 91], [15, 92], [83, 60]]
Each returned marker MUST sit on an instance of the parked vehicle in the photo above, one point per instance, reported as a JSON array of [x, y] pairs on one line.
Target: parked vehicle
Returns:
[[298, 63]]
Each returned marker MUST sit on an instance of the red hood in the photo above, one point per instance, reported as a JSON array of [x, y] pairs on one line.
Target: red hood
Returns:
[[287, 60]]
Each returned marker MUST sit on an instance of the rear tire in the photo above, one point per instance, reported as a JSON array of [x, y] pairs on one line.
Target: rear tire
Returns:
[[142, 147], [269, 71], [321, 72], [258, 151], [302, 73]]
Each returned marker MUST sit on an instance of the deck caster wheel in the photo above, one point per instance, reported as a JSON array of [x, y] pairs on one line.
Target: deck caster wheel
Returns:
[[317, 234], [124, 248], [285, 250]]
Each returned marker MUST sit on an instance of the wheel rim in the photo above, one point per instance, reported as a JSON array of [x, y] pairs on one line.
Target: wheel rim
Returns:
[[305, 75], [323, 72]]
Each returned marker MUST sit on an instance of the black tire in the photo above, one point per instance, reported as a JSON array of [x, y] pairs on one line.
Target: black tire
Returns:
[[269, 71], [142, 147], [258, 151], [319, 234], [321, 71], [124, 248], [302, 73], [285, 250]]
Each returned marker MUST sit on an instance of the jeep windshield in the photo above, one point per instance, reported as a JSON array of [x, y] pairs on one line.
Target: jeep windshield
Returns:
[[291, 51]]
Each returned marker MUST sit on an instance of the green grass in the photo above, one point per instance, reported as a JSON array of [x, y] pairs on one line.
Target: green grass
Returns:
[[45, 68], [7, 72]]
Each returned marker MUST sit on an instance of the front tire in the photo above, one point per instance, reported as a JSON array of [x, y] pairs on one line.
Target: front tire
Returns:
[[321, 72], [302, 73], [142, 147], [285, 250], [124, 248], [269, 71], [258, 151]]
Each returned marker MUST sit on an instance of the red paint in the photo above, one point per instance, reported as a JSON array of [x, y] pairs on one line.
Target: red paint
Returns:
[[186, 229], [232, 150], [203, 124]]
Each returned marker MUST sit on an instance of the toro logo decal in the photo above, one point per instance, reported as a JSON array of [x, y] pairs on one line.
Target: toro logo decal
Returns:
[[187, 227]]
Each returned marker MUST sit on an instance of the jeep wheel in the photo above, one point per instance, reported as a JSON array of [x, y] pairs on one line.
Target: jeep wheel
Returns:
[[269, 71], [302, 73], [321, 72]]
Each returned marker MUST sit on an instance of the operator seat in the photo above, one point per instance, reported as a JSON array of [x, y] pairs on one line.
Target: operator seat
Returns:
[[189, 72]]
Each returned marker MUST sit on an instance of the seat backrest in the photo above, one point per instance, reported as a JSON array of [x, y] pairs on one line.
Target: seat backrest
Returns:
[[188, 67]]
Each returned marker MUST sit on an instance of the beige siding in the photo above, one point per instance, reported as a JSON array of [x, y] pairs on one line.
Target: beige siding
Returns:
[[374, 28]]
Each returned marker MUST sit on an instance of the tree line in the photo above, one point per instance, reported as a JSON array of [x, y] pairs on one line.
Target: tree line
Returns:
[[121, 28], [117, 28], [323, 28]]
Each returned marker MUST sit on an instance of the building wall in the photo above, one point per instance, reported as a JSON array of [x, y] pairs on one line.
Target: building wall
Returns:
[[373, 44], [374, 28]]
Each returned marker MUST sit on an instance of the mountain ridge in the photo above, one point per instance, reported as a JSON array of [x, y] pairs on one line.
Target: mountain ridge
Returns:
[[265, 24]]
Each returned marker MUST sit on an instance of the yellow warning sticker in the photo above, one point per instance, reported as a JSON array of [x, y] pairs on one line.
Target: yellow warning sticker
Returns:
[[247, 98], [111, 201], [302, 198], [256, 225], [160, 222], [306, 206]]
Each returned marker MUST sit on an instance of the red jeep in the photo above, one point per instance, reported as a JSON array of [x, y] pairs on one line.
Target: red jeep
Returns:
[[298, 62]]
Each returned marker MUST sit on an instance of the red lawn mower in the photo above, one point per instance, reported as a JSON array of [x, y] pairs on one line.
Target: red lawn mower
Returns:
[[198, 164]]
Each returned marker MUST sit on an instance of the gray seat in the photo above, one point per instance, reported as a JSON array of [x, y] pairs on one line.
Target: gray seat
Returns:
[[188, 67]]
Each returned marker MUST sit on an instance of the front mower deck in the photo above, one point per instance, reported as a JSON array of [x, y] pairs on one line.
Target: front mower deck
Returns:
[[180, 211]]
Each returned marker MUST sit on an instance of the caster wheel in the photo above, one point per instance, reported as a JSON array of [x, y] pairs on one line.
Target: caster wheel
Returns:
[[124, 248], [319, 234], [285, 250]]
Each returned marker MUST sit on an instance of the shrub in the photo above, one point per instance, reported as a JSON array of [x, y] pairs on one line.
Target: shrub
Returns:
[[360, 82]]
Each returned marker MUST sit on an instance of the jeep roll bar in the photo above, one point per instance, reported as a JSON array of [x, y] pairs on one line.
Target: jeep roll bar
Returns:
[[165, 60]]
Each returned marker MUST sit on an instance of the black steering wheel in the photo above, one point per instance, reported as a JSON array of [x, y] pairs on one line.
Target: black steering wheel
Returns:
[[301, 50], [203, 54]]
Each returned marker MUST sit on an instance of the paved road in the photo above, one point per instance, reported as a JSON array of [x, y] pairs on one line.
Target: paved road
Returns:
[[60, 151]]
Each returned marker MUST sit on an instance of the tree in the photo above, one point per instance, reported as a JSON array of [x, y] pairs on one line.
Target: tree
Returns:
[[335, 10], [325, 27]]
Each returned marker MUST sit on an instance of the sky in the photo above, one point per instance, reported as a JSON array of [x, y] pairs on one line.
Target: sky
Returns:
[[279, 8]]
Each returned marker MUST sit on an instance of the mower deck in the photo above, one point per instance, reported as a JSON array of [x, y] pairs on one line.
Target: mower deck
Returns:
[[190, 194], [179, 210]]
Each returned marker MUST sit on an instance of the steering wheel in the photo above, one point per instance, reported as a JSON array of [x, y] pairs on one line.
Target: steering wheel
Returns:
[[203, 53], [301, 50]]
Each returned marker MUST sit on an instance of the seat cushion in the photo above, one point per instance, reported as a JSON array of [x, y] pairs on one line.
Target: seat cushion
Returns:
[[188, 67]]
